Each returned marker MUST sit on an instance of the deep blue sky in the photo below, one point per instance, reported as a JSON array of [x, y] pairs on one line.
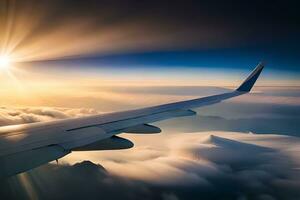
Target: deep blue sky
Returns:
[[162, 34], [279, 57]]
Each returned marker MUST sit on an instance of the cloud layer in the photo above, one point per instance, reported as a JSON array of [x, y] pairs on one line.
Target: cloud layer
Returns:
[[189, 166], [12, 115]]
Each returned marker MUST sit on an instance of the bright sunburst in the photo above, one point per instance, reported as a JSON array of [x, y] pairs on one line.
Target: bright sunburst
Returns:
[[4, 62]]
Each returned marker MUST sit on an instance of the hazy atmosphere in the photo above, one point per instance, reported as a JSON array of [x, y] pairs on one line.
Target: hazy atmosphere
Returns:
[[64, 59]]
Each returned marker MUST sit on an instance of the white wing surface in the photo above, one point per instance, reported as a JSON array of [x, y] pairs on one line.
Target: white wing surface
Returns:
[[23, 147]]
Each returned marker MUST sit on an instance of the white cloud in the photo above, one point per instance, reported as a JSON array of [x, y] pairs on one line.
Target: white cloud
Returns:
[[206, 165], [21, 115]]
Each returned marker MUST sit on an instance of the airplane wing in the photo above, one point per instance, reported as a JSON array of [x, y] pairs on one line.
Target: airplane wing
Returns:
[[26, 146]]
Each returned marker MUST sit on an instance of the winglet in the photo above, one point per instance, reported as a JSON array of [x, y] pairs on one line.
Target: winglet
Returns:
[[250, 81]]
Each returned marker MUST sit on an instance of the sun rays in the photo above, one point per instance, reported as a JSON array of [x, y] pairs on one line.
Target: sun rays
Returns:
[[4, 62]]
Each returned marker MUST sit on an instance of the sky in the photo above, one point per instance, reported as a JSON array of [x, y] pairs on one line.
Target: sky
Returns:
[[118, 42], [71, 58]]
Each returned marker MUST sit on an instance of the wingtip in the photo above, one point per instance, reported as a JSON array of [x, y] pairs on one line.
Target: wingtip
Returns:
[[247, 85], [262, 62]]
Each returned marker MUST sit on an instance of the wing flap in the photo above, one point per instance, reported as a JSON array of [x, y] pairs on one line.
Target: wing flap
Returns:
[[83, 136], [20, 162]]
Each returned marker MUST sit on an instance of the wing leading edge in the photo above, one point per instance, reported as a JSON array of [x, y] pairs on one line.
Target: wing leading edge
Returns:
[[52, 140]]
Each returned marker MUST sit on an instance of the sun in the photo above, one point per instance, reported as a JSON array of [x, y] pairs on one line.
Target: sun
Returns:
[[4, 62]]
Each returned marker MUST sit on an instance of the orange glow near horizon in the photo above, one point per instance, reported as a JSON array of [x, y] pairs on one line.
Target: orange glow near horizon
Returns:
[[28, 38]]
